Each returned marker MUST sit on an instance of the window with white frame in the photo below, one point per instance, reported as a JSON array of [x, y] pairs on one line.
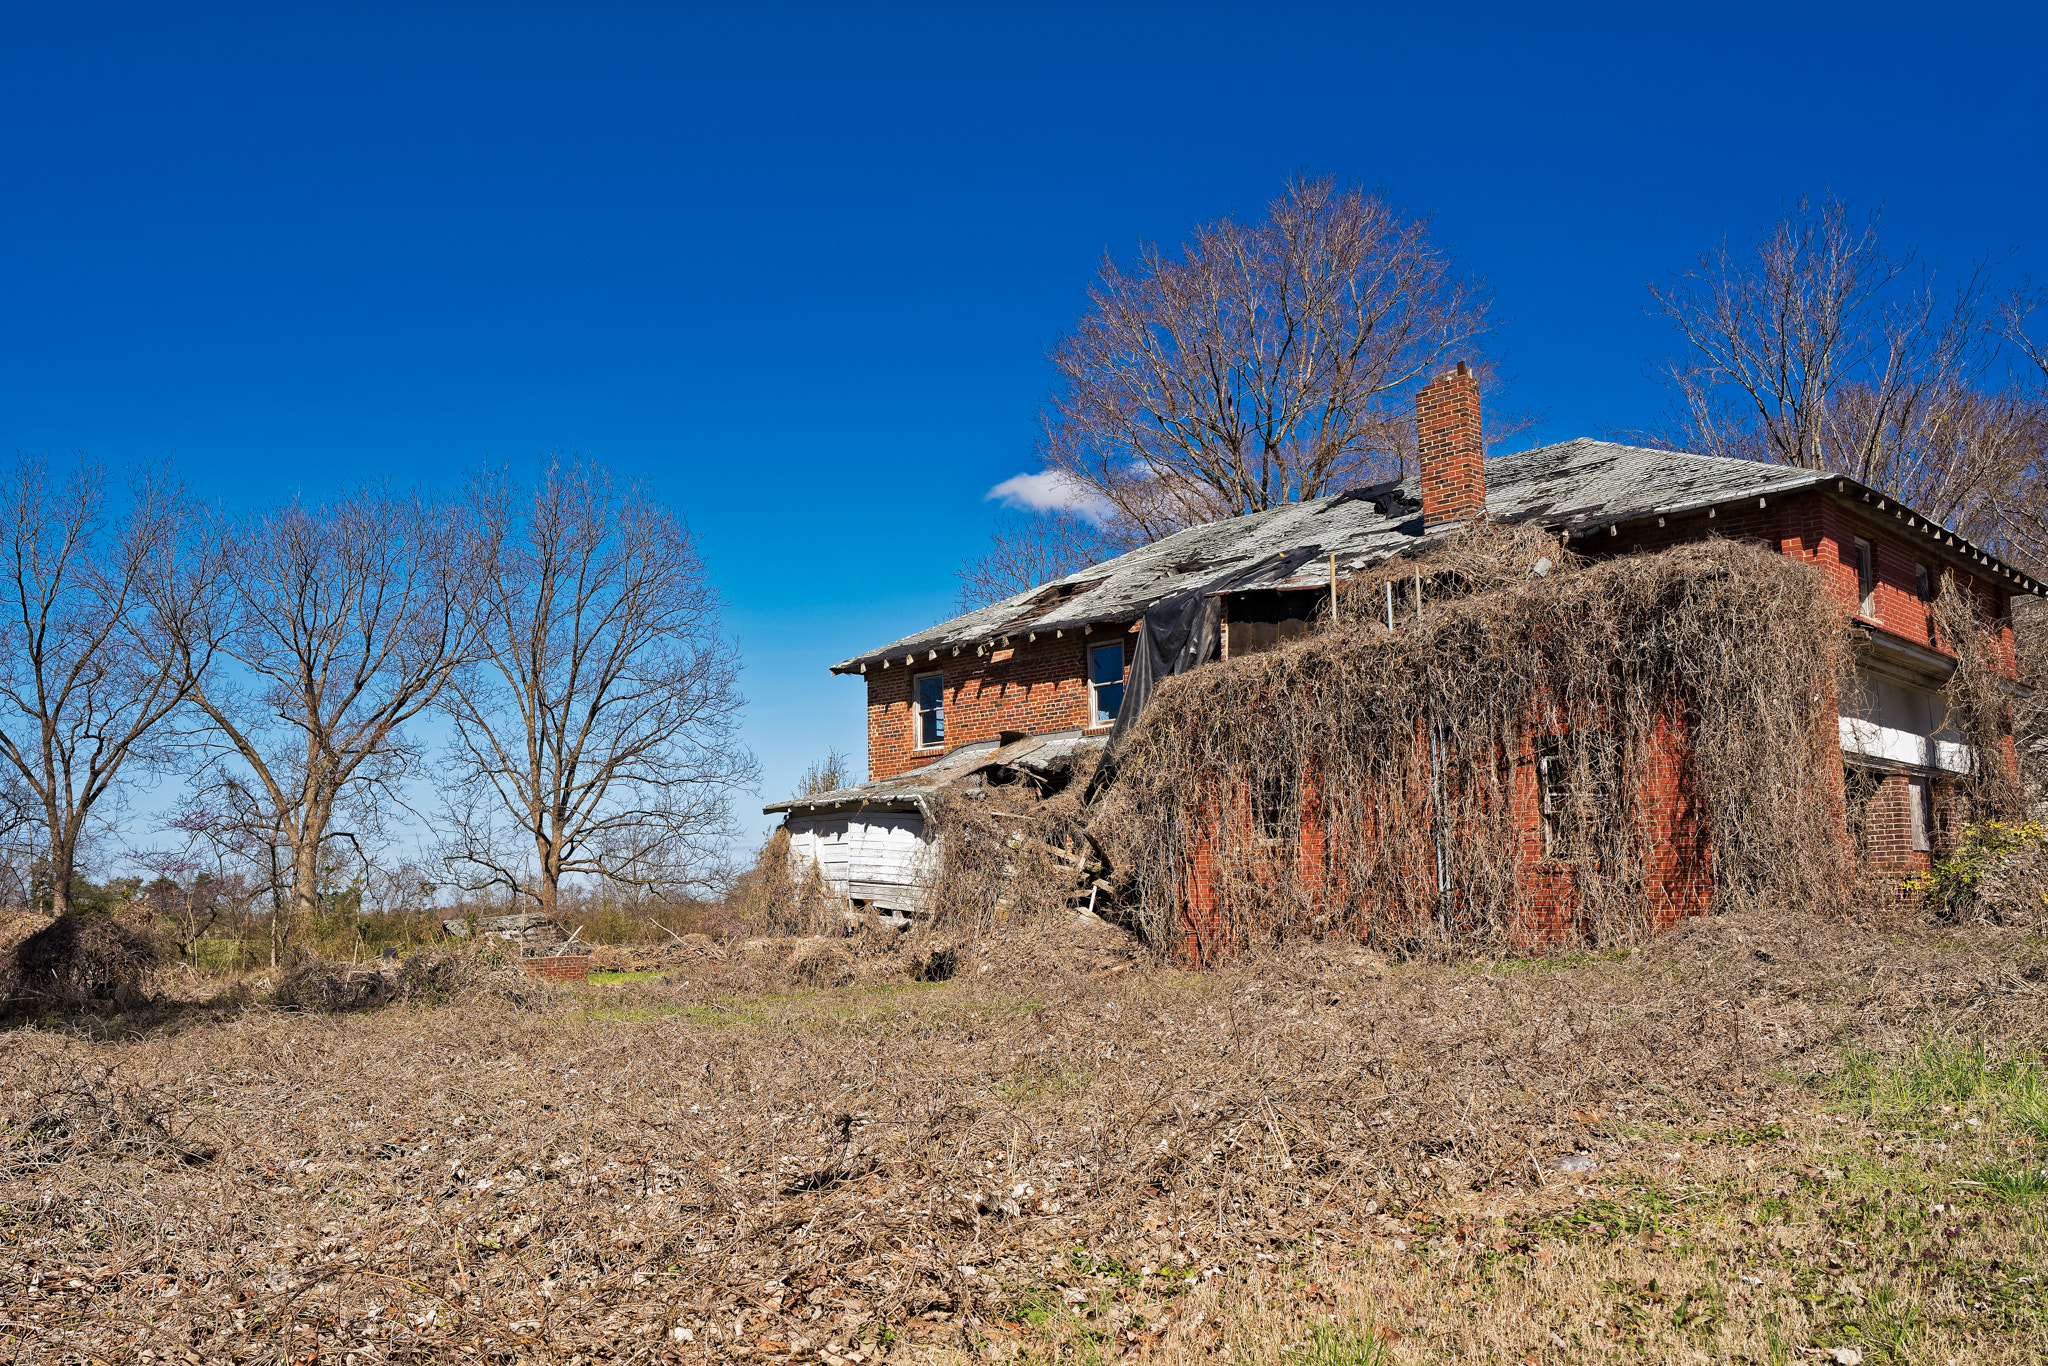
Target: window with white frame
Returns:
[[1105, 683], [930, 704], [1575, 777]]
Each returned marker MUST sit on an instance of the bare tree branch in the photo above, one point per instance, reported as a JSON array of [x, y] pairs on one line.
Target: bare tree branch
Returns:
[[1026, 551], [1816, 348]]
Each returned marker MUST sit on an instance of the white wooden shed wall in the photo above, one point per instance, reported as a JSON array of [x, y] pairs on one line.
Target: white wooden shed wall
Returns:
[[878, 857]]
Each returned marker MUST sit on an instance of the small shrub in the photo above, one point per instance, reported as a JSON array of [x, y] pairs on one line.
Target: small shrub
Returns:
[[1953, 886], [822, 966], [335, 987]]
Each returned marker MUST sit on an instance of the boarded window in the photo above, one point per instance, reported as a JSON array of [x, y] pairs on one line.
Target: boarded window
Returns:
[[1866, 577], [1105, 682], [1575, 774], [931, 710]]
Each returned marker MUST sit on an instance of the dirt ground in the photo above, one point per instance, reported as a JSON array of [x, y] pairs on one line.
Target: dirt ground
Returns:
[[1761, 1138]]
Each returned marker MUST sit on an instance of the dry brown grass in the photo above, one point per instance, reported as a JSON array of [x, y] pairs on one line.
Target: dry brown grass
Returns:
[[1062, 1151]]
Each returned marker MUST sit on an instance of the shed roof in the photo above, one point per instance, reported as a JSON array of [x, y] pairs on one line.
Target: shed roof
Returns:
[[913, 791], [1572, 487]]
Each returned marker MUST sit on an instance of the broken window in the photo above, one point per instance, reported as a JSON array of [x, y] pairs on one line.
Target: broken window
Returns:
[[1575, 775], [1866, 577], [1105, 682], [931, 710], [1273, 802]]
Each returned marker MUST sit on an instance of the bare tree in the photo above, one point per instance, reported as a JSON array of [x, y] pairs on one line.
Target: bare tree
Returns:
[[1025, 552], [1816, 348], [1263, 364], [599, 719], [339, 624], [79, 700]]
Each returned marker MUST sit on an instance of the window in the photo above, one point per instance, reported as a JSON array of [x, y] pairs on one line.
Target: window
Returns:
[[1105, 682], [1273, 805], [931, 710], [1866, 577], [1920, 813], [1923, 587], [1575, 777]]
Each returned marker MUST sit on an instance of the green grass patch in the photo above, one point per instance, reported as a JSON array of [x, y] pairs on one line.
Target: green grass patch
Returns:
[[602, 977], [2025, 1182], [1342, 1344], [1961, 1074]]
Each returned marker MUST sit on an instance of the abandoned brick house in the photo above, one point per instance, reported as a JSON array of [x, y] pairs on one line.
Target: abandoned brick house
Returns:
[[1040, 678]]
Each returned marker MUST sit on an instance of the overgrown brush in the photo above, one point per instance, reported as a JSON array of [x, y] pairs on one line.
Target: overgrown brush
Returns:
[[86, 958], [776, 896], [1381, 785], [1980, 697], [1002, 856], [434, 977]]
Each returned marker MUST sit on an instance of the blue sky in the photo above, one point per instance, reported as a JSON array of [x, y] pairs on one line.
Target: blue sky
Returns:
[[798, 268]]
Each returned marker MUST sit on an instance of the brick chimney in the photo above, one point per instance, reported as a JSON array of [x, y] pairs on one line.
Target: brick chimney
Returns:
[[1453, 458]]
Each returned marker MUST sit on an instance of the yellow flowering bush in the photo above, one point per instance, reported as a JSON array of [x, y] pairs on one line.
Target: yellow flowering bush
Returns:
[[1950, 886]]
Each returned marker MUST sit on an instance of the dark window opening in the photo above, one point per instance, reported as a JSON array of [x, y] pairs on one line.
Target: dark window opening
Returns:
[[1106, 682], [1575, 774], [1866, 577], [931, 710], [1274, 800], [1266, 618]]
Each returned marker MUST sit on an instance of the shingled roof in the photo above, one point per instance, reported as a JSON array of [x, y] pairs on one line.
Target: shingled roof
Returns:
[[1573, 487]]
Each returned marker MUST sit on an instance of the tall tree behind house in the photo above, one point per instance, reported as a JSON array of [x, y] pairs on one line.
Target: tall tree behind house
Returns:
[[1262, 364], [1814, 346]]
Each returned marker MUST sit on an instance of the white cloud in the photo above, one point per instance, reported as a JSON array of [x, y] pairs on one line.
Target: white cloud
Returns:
[[1052, 491]]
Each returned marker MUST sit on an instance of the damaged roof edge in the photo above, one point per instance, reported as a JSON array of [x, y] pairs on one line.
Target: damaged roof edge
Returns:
[[1611, 485], [912, 791]]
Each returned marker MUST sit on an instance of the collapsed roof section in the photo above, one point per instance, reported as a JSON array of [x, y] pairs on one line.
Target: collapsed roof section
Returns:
[[1040, 757], [1573, 488]]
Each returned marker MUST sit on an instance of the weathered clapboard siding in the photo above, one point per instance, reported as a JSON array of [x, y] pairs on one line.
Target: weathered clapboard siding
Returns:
[[877, 857]]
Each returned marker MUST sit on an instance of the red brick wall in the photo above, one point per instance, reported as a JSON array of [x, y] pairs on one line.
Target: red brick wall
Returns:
[[569, 967], [1678, 863], [1815, 528], [1450, 449], [1036, 686]]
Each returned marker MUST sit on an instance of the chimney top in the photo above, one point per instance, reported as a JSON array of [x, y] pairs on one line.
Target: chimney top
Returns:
[[1452, 452]]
